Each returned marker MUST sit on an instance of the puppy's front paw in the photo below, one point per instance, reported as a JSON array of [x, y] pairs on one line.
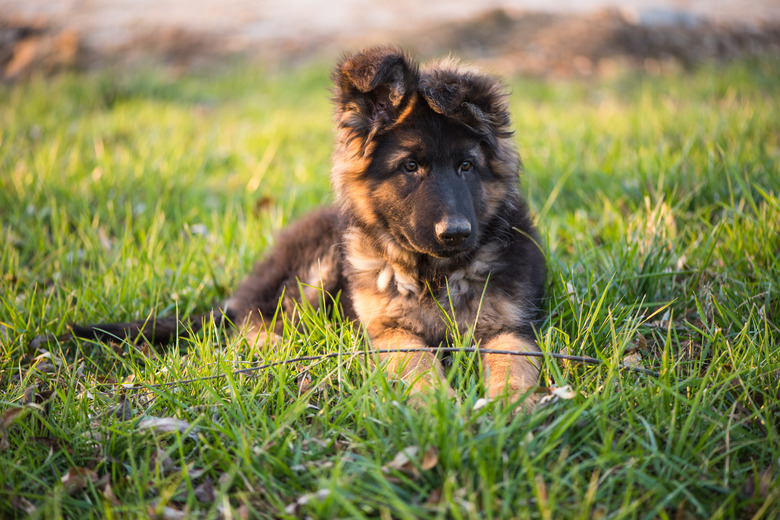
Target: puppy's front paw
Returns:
[[424, 386], [512, 391]]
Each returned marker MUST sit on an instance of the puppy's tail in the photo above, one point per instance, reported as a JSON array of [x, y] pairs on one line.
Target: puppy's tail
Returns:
[[160, 331]]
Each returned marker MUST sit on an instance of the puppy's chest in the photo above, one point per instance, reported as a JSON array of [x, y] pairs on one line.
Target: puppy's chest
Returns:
[[421, 295]]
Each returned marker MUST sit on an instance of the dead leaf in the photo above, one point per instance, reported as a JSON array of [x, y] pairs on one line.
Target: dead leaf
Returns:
[[167, 513], [302, 500], [123, 410], [763, 480], [480, 403], [52, 444], [77, 479], [166, 424], [633, 360], [430, 459], [205, 492], [403, 460], [167, 466], [262, 204], [304, 381], [23, 504], [108, 493], [29, 395], [554, 394], [9, 416], [681, 513], [571, 292], [564, 392], [45, 354], [44, 340], [243, 512], [434, 497], [194, 473]]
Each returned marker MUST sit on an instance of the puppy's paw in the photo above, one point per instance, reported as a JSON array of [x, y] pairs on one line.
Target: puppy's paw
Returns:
[[510, 392], [424, 386]]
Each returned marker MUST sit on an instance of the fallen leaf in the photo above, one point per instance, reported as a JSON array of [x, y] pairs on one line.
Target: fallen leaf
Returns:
[[304, 381], [320, 495], [23, 504], [167, 466], [108, 493], [43, 340], [45, 354], [554, 394], [430, 459], [434, 497], [564, 392], [480, 403], [123, 410], [167, 513], [9, 416], [205, 492], [166, 424], [194, 473], [243, 512], [29, 395], [571, 292], [633, 360], [77, 479], [52, 444], [758, 484], [403, 460]]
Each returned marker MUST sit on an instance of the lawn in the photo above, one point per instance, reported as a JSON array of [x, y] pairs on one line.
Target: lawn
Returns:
[[126, 195]]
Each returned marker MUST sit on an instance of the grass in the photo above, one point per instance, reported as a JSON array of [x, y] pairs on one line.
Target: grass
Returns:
[[128, 195]]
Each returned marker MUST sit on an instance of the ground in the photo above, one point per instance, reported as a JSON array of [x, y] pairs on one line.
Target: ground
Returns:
[[509, 36]]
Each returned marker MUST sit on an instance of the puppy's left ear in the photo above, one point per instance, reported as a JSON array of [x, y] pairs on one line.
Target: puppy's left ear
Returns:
[[473, 98], [372, 88]]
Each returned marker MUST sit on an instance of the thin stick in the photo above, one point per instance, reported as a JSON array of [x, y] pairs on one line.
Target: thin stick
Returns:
[[577, 359]]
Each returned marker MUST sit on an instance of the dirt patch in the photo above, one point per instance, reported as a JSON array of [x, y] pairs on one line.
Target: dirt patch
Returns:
[[537, 43], [565, 45], [25, 48]]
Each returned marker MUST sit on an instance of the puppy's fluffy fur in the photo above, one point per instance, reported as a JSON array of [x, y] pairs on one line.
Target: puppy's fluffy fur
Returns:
[[427, 217]]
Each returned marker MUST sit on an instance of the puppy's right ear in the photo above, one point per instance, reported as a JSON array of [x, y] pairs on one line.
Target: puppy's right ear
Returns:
[[372, 89]]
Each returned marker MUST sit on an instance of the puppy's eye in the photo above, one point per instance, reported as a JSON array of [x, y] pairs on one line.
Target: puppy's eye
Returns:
[[411, 166], [465, 166]]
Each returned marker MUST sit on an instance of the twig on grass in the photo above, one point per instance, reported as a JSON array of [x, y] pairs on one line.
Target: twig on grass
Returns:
[[577, 359]]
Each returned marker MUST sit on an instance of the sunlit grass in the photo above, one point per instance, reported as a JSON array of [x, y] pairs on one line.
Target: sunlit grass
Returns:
[[125, 196]]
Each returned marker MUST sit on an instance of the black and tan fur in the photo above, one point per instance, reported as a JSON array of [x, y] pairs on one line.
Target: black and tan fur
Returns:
[[427, 216]]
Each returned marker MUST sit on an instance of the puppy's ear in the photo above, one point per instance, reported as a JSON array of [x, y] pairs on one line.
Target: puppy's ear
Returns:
[[473, 98], [372, 89]]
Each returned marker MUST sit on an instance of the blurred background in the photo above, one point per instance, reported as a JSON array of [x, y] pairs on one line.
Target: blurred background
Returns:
[[548, 38]]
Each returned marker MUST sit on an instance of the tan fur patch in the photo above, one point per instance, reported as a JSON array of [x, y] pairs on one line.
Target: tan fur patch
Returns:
[[510, 376], [420, 369]]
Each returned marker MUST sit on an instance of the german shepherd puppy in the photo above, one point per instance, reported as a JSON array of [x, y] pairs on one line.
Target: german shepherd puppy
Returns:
[[427, 217]]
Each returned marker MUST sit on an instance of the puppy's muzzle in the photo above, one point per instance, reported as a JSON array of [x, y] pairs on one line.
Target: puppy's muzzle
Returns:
[[453, 232]]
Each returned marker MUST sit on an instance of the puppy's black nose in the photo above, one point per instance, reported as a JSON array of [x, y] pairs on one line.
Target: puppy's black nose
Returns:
[[453, 231]]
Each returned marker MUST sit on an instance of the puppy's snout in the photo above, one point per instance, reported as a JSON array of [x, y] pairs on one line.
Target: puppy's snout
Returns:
[[454, 231]]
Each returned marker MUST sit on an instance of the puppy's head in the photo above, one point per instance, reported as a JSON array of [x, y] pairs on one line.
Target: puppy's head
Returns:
[[425, 157]]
